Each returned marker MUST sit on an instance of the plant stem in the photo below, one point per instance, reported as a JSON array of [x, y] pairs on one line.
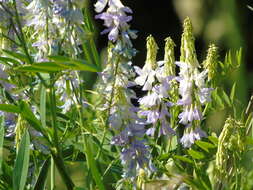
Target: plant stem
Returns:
[[52, 181], [250, 106], [56, 151]]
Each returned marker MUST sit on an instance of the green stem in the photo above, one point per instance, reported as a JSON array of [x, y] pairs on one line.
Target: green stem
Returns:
[[56, 152], [52, 181]]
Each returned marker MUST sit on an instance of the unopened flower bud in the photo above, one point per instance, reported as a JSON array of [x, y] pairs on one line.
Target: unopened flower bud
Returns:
[[188, 52], [211, 61], [169, 57], [151, 52]]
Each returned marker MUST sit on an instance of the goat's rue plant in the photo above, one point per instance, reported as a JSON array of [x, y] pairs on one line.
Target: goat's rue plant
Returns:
[[54, 114]]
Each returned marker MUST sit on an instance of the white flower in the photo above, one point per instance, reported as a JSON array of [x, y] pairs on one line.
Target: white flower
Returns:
[[189, 138], [146, 77], [190, 114], [150, 100]]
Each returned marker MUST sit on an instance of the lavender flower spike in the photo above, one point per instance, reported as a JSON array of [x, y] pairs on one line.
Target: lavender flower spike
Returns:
[[192, 88], [115, 19]]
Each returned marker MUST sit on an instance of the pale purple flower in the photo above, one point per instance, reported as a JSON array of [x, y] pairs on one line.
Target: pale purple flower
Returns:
[[150, 100], [152, 115], [205, 95], [189, 114], [132, 130], [134, 157], [189, 138], [146, 77], [185, 90], [115, 19]]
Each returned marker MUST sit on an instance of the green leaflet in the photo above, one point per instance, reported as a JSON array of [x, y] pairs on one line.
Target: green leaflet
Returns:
[[196, 154], [18, 56], [9, 108], [76, 64]]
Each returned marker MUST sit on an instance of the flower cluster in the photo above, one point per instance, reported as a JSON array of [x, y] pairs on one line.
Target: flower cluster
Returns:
[[66, 84], [116, 20], [53, 23], [192, 88], [116, 80], [129, 129], [156, 79]]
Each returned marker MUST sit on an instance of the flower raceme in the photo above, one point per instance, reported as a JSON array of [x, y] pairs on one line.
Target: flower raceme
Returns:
[[154, 79], [128, 127], [192, 88]]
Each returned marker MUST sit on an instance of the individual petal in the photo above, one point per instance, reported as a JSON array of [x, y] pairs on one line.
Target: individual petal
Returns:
[[138, 70], [100, 5], [151, 131], [149, 100], [113, 34]]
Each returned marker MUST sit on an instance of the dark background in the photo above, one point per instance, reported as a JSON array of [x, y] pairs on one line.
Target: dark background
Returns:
[[227, 23]]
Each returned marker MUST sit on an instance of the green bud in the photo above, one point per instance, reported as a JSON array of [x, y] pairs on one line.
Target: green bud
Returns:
[[211, 61], [151, 52], [188, 52], [169, 57]]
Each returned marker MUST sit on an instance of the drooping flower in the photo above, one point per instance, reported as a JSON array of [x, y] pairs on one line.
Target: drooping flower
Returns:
[[190, 137]]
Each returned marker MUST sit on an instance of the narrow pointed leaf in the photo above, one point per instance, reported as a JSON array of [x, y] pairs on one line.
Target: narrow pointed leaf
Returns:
[[20, 170], [183, 158], [16, 55], [43, 106], [77, 64], [196, 154], [9, 108], [8, 60], [232, 93], [204, 145]]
